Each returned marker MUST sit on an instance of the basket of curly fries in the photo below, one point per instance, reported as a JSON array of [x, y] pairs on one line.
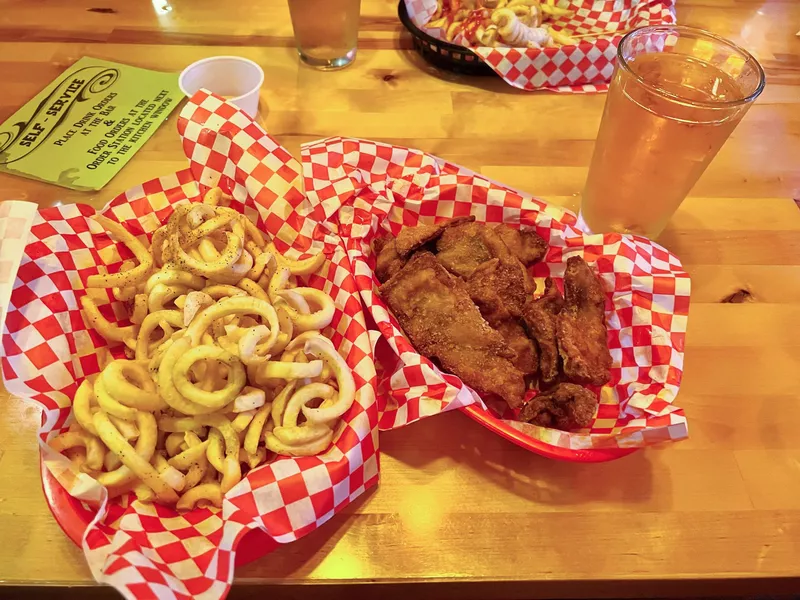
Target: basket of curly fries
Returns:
[[201, 359], [561, 45]]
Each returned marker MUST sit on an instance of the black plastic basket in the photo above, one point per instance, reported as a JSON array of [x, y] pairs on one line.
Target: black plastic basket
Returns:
[[443, 55]]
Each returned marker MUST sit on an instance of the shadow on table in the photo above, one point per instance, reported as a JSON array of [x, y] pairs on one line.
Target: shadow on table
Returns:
[[422, 446], [304, 555]]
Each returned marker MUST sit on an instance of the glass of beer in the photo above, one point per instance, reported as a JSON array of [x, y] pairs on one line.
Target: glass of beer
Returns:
[[676, 95], [326, 31]]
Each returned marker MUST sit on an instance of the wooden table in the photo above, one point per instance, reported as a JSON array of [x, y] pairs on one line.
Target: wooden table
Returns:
[[716, 514]]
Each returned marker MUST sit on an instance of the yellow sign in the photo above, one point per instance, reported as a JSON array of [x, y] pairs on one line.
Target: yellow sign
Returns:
[[81, 129]]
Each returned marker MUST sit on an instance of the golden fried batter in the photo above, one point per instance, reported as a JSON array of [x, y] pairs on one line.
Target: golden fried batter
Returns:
[[540, 318], [436, 313], [498, 292], [566, 406], [387, 261], [464, 247], [411, 238], [581, 327], [527, 246]]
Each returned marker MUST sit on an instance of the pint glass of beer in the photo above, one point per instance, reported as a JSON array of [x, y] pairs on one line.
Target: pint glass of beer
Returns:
[[325, 31], [676, 95]]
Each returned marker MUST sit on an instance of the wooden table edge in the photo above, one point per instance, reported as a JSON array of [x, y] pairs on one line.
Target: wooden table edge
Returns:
[[724, 586]]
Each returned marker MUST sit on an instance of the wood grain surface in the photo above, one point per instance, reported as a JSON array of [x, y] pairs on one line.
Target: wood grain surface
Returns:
[[459, 511]]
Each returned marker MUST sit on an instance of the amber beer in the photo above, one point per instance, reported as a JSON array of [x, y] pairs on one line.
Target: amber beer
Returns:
[[676, 95], [326, 31]]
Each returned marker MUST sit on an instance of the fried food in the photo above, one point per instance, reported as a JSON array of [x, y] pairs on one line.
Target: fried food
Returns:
[[527, 246], [462, 248], [566, 406], [437, 314], [393, 252], [412, 238], [509, 280], [540, 318], [499, 293], [470, 307], [582, 336], [388, 261]]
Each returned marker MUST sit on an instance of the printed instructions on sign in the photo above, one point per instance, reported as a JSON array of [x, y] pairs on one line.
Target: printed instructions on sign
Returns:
[[80, 130]]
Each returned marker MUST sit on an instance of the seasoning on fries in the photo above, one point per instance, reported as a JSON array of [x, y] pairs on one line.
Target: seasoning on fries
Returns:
[[516, 23], [226, 363]]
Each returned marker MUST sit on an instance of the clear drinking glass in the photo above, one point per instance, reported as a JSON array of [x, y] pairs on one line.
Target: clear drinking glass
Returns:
[[676, 95], [326, 31]]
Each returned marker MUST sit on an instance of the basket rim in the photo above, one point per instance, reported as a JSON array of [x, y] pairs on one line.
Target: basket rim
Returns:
[[504, 430]]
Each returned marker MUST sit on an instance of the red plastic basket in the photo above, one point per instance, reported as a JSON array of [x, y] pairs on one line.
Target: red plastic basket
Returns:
[[498, 426], [74, 518]]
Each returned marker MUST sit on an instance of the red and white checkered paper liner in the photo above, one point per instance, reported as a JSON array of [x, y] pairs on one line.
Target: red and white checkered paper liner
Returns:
[[585, 68], [15, 222], [386, 188], [149, 551]]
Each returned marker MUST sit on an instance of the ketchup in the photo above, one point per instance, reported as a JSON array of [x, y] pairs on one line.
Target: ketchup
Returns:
[[473, 21]]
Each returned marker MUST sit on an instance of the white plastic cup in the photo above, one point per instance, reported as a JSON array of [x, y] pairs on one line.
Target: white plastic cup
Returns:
[[238, 79]]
